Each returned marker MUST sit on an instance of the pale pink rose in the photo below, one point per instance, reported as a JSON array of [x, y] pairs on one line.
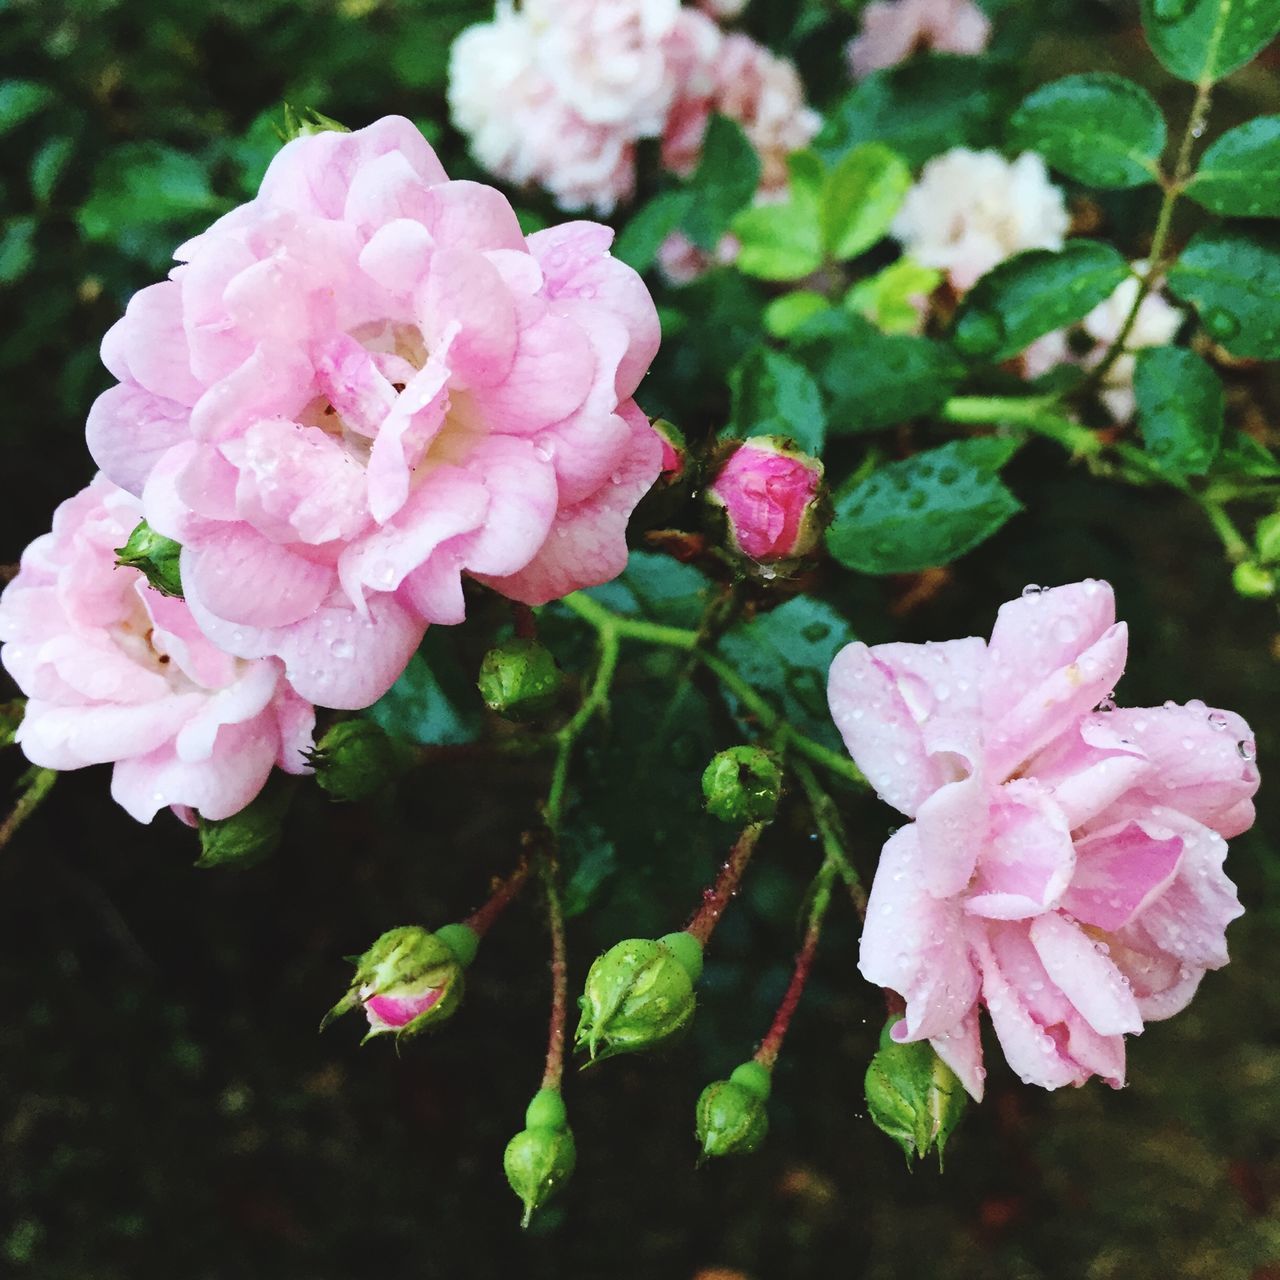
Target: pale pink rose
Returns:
[[116, 673], [971, 210], [1063, 868], [723, 10], [682, 262], [769, 493], [366, 383], [762, 93], [892, 30]]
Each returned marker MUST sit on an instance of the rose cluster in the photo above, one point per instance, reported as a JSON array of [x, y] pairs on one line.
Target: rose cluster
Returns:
[[354, 391]]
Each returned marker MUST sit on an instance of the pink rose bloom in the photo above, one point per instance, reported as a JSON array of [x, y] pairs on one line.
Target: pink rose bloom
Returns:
[[892, 30], [769, 492], [365, 383], [115, 672], [1064, 863]]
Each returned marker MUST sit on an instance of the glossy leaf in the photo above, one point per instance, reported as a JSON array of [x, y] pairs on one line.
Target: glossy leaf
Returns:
[[1239, 175], [774, 395], [1180, 409], [1232, 278], [1208, 39], [784, 241], [861, 197]]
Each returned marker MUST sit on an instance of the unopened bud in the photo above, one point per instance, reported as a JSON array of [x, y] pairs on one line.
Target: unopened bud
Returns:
[[772, 498], [518, 679], [540, 1159], [638, 994], [357, 760], [913, 1096], [247, 837], [1253, 581], [409, 979], [732, 1118], [155, 556], [742, 785], [302, 123], [675, 452]]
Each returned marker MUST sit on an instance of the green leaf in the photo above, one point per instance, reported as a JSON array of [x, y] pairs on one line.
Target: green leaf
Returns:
[[434, 702], [639, 241], [48, 166], [1232, 278], [1204, 40], [657, 587], [861, 196], [873, 380], [1034, 293], [590, 861], [1239, 176], [20, 100], [143, 183], [784, 315], [888, 299], [246, 838], [17, 250], [926, 511], [784, 241], [920, 108], [1241, 456], [786, 654], [1100, 129], [775, 396], [1181, 409], [725, 182]]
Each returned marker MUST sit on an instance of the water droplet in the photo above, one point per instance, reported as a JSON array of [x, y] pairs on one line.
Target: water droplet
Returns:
[[1247, 749], [616, 478], [1032, 589], [341, 648], [1170, 10], [979, 332], [544, 448], [1221, 324], [1217, 720], [1108, 703]]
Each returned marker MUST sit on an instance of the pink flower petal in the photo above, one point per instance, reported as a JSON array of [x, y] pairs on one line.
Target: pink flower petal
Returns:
[[1119, 872], [1086, 976]]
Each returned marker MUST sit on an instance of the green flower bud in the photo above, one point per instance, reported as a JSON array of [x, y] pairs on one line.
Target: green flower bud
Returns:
[[913, 1096], [519, 679], [539, 1160], [409, 980], [742, 785], [638, 994], [1267, 538], [358, 759], [1253, 581], [307, 121], [731, 1117], [155, 556], [247, 837]]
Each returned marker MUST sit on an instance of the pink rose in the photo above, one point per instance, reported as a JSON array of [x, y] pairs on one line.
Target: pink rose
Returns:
[[769, 492], [892, 30], [365, 383], [1064, 865], [114, 672]]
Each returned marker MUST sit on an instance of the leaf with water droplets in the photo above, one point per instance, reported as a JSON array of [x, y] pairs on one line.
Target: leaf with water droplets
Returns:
[[1032, 294], [1238, 175], [1232, 278], [1181, 409], [1204, 40], [775, 396], [1100, 129]]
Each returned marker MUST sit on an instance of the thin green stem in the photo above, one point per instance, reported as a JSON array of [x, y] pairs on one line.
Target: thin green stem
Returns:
[[826, 818], [1032, 413], [33, 796]]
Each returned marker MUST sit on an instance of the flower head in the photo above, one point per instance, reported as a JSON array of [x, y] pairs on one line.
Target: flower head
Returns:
[[971, 210], [366, 383], [117, 673], [1063, 868], [892, 30], [770, 493]]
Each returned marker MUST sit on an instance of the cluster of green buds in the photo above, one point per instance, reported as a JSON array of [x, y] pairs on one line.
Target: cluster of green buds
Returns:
[[912, 1095], [1256, 578], [539, 1160], [155, 557], [519, 680], [732, 1118], [409, 980], [358, 760], [638, 994], [742, 785]]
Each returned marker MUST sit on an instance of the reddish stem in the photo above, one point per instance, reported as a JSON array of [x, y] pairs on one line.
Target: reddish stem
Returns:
[[554, 1069], [504, 891], [716, 899], [525, 623], [767, 1054]]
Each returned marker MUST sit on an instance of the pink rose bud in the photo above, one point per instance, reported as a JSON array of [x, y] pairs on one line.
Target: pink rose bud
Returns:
[[771, 493], [675, 452]]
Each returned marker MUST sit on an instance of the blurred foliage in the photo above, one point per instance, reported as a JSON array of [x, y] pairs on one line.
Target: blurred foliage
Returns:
[[168, 1108]]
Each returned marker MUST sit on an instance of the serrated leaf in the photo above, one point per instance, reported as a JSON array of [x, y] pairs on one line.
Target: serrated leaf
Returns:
[[434, 702], [784, 241], [639, 241], [1034, 293], [726, 180], [1232, 278], [20, 100], [773, 395], [1100, 129], [862, 195], [658, 588], [786, 654], [1181, 409], [873, 380], [925, 511], [1204, 40], [1239, 176]]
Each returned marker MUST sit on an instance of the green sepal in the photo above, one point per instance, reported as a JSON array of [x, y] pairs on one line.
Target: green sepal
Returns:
[[155, 557]]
